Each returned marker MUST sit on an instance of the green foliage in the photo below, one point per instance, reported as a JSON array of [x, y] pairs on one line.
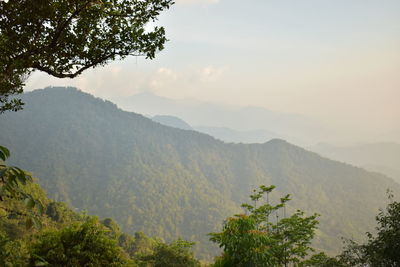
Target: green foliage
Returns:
[[321, 260], [113, 227], [64, 38], [15, 236], [60, 213], [79, 244], [139, 245], [12, 184], [171, 183], [11, 178], [176, 254], [67, 238], [253, 239], [382, 249], [12, 253]]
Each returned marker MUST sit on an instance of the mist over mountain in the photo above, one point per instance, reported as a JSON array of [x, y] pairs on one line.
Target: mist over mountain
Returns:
[[222, 133], [172, 121], [170, 182], [233, 136], [292, 127], [391, 136], [379, 157]]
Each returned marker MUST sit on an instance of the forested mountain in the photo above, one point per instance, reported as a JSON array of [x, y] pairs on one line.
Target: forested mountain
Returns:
[[169, 182], [379, 157], [69, 238]]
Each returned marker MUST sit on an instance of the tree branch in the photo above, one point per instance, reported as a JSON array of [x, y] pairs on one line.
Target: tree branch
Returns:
[[60, 29], [70, 75]]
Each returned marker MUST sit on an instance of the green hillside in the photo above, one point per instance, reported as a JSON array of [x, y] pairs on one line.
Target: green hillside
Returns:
[[67, 238], [169, 182]]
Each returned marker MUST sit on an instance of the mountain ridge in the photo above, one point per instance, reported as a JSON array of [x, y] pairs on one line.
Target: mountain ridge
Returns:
[[382, 157], [172, 121], [240, 118], [170, 182]]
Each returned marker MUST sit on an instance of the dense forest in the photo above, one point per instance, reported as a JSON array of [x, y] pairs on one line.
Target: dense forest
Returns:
[[69, 238], [175, 183], [54, 235]]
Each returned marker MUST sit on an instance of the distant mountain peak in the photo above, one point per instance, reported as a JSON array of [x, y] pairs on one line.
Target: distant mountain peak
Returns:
[[278, 141], [172, 121]]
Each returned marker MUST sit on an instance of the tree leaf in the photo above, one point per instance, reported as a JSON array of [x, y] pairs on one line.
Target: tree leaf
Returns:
[[37, 223], [29, 202], [4, 153], [41, 263], [28, 223]]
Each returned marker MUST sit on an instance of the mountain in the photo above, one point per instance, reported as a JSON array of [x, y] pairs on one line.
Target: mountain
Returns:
[[169, 182], [172, 121], [222, 133], [234, 136], [238, 118], [378, 157]]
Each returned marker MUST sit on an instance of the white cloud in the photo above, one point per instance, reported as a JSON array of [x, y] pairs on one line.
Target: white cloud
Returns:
[[167, 74], [173, 80], [211, 73], [164, 77]]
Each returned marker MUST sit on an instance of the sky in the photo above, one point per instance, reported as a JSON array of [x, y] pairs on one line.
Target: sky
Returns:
[[336, 61]]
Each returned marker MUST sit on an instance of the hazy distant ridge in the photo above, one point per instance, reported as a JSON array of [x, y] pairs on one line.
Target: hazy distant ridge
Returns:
[[380, 157], [172, 121], [222, 133], [293, 127]]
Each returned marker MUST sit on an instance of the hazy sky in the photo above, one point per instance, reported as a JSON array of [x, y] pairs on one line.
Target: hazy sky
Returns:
[[334, 60]]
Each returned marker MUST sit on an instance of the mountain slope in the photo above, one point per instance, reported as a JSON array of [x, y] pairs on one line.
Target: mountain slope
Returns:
[[169, 182]]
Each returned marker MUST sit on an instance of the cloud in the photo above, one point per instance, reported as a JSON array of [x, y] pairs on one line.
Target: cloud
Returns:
[[113, 79], [163, 77], [170, 79], [211, 73], [167, 73]]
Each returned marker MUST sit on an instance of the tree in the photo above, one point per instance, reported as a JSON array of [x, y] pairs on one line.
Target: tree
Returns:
[[253, 239], [176, 254], [65, 37], [12, 253], [12, 182], [322, 260], [78, 244], [381, 250]]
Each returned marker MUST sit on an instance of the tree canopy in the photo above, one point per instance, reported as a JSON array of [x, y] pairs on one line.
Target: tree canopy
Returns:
[[12, 186], [77, 244], [382, 249], [254, 239], [65, 37]]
